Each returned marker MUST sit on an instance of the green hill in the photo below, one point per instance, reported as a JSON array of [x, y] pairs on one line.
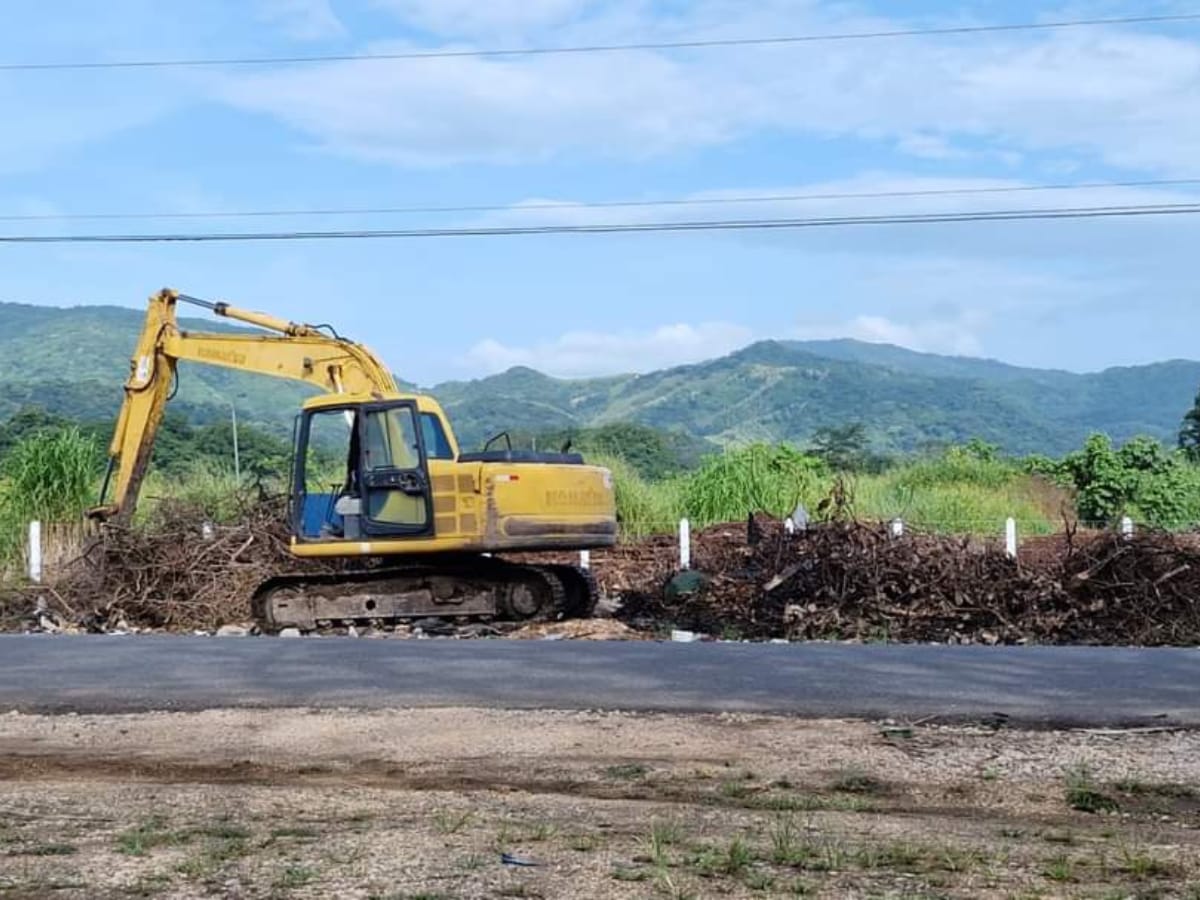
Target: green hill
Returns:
[[73, 361]]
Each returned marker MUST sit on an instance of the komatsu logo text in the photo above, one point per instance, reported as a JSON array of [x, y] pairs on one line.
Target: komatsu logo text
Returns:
[[585, 497], [232, 357]]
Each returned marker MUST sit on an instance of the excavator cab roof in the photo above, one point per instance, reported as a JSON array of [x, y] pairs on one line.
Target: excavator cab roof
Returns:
[[325, 401]]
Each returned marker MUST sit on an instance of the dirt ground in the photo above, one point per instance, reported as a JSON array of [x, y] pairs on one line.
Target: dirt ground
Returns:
[[423, 803]]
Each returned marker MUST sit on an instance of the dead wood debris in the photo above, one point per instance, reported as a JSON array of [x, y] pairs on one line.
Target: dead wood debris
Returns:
[[840, 580], [855, 581]]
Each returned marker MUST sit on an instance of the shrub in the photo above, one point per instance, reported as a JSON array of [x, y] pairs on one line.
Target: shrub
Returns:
[[756, 478]]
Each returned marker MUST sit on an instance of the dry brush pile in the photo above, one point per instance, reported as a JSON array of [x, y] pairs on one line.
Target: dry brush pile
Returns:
[[848, 580], [177, 571], [838, 580]]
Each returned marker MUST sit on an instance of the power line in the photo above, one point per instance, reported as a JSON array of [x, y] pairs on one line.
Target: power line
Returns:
[[1001, 215], [698, 44], [600, 204]]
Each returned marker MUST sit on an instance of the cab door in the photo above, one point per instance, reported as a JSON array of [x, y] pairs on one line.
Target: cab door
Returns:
[[393, 473]]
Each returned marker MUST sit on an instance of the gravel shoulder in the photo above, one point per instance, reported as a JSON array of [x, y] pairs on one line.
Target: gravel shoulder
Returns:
[[422, 803]]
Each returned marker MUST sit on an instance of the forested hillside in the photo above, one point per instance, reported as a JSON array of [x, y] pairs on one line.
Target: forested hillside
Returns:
[[71, 362]]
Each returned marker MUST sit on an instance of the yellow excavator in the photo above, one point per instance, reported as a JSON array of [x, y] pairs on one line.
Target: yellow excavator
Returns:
[[377, 477]]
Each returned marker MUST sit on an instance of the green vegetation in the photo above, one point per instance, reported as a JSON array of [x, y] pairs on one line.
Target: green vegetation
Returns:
[[47, 477], [1141, 479], [651, 452], [51, 468], [1082, 793], [960, 490]]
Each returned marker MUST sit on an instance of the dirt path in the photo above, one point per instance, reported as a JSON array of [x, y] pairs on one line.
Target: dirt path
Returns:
[[422, 803]]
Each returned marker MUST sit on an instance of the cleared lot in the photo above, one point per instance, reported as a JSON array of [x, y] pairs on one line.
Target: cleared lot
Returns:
[[422, 803]]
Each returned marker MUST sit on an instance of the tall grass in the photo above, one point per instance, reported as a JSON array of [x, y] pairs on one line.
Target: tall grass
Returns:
[[954, 493], [49, 476], [643, 507], [756, 478]]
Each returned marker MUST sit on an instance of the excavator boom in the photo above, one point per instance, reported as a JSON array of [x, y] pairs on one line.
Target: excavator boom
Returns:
[[300, 352]]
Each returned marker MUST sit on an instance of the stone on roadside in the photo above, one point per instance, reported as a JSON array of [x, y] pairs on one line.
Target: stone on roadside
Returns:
[[233, 631], [290, 633]]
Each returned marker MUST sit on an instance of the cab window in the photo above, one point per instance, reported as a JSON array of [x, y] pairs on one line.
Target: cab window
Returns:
[[437, 445], [391, 440]]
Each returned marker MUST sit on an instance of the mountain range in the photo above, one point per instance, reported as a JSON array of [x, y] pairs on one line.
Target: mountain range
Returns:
[[72, 361]]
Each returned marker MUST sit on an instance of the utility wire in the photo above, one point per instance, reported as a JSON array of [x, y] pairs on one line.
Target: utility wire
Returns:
[[600, 204], [697, 44], [1001, 215]]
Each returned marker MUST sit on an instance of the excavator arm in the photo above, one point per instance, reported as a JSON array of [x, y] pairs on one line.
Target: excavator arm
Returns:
[[300, 352]]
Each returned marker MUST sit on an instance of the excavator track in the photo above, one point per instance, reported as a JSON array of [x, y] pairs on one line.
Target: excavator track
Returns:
[[469, 588]]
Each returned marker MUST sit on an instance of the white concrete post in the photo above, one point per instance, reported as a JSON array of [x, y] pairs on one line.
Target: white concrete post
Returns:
[[685, 544], [789, 527], [1010, 537], [1126, 527], [585, 559], [35, 552], [897, 527]]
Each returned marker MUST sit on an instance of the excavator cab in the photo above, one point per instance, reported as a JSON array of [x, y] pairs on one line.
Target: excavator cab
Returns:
[[381, 488]]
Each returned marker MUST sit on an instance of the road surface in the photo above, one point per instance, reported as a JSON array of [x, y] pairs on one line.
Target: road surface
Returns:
[[1028, 685]]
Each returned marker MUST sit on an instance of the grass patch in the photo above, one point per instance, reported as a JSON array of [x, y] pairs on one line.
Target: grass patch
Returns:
[[665, 884], [142, 838], [629, 873], [542, 831], [450, 822], [808, 803], [1140, 864], [472, 863], [1060, 869], [1082, 793], [896, 855], [758, 880], [663, 835], [223, 842], [583, 843], [294, 877], [733, 859], [855, 781], [736, 790]]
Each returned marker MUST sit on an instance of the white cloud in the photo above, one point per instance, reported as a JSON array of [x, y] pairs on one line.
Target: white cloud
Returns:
[[1073, 92], [446, 111], [957, 334], [302, 20], [588, 353]]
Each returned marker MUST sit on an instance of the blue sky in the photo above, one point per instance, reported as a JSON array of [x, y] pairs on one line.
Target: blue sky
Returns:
[[1097, 104]]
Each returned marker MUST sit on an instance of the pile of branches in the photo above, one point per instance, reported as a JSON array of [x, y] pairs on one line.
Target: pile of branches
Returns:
[[1143, 590], [177, 571], [853, 581]]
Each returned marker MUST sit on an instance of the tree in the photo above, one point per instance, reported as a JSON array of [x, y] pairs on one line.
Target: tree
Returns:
[[1189, 431], [842, 447], [1142, 479]]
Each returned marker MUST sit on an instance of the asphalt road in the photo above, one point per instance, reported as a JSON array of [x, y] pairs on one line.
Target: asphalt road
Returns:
[[1093, 686]]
